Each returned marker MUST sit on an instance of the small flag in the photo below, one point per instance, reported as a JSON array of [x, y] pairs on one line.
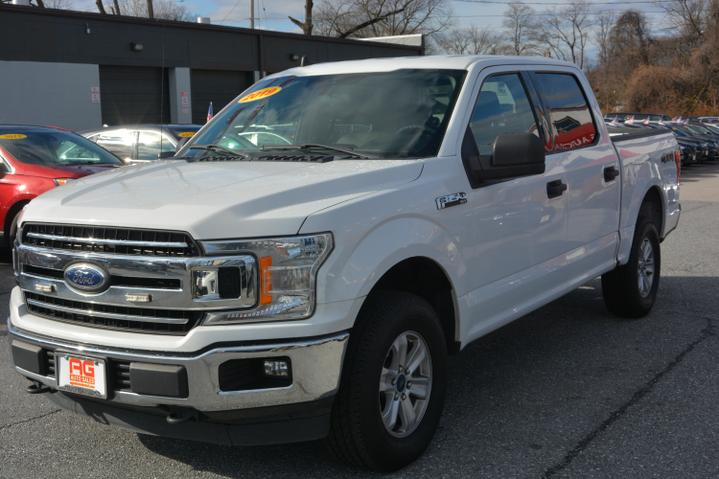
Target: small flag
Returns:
[[210, 112]]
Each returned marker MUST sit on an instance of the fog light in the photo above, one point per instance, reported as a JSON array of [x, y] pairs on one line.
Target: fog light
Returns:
[[277, 368]]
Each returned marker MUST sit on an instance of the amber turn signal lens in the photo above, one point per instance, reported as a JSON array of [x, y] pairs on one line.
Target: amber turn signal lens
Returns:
[[265, 280]]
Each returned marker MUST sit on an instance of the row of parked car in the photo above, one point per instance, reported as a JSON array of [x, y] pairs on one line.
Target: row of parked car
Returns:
[[34, 159], [698, 137]]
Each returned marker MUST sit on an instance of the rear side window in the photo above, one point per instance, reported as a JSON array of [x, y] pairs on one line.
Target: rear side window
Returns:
[[569, 111], [502, 108]]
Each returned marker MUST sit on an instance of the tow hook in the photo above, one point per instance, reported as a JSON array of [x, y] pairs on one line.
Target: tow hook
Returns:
[[178, 417], [36, 388]]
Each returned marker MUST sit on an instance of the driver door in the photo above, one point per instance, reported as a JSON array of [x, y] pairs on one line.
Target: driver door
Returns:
[[513, 225]]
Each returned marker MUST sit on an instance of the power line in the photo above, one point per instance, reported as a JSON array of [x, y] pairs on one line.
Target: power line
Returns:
[[590, 3], [600, 12]]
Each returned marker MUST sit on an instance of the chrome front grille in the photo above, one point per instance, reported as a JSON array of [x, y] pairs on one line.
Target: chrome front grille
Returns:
[[109, 240], [159, 321], [142, 290]]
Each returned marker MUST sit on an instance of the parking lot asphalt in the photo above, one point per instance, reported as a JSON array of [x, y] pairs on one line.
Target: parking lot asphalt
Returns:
[[567, 391]]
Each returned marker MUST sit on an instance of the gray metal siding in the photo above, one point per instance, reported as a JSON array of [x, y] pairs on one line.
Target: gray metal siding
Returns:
[[134, 95], [62, 36], [216, 86]]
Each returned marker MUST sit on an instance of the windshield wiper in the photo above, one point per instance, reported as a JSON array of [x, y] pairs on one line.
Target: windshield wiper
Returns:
[[316, 146], [218, 149]]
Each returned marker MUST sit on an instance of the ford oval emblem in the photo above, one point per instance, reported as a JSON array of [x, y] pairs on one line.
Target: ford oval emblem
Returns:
[[86, 277]]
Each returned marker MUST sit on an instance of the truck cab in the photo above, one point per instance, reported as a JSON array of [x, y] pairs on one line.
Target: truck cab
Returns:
[[305, 265]]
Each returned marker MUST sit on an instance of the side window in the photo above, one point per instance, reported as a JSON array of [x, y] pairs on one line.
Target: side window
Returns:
[[71, 152], [569, 110], [502, 107], [150, 144], [121, 142]]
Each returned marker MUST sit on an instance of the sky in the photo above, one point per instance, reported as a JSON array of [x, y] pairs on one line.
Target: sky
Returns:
[[272, 14]]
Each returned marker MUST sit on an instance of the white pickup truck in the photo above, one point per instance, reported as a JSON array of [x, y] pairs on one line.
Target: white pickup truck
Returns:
[[306, 264]]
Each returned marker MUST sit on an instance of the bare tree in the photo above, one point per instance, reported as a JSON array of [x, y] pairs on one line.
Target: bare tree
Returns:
[[566, 32], [469, 41], [629, 38], [307, 25], [520, 28], [690, 16], [604, 23], [365, 18], [165, 9]]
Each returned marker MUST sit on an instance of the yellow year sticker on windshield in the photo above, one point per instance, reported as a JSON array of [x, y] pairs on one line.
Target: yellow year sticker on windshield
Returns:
[[260, 94], [12, 136], [186, 134]]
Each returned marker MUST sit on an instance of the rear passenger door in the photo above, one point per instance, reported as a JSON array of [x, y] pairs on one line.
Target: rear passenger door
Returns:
[[591, 170]]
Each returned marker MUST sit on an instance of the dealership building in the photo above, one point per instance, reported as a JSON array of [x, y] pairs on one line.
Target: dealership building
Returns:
[[80, 70]]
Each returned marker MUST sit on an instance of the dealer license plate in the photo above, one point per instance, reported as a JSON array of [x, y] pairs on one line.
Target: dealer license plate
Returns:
[[81, 375]]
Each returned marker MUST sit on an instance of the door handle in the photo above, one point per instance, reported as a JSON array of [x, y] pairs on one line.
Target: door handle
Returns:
[[610, 173], [556, 188]]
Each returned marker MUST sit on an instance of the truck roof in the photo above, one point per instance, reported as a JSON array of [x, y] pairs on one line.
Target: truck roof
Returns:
[[448, 62]]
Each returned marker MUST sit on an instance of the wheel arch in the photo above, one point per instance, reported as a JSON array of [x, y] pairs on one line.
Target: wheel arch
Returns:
[[427, 279], [654, 197], [10, 215]]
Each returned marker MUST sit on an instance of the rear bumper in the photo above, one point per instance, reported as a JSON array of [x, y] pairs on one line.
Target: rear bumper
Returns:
[[316, 364]]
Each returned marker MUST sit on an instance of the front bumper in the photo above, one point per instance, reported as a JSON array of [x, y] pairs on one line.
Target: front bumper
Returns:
[[316, 365]]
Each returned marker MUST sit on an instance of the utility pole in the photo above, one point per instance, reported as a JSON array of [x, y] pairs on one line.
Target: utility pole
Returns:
[[150, 9], [252, 14]]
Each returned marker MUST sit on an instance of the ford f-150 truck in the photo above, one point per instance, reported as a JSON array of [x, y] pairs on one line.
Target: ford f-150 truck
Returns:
[[306, 265]]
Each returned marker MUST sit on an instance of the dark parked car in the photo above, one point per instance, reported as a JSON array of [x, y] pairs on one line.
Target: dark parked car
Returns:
[[713, 120], [637, 117], [141, 143], [701, 134]]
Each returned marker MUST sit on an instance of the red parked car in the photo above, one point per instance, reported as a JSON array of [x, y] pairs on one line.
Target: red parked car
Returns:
[[34, 159]]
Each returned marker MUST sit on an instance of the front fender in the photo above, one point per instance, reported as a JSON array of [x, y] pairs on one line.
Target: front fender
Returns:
[[369, 240]]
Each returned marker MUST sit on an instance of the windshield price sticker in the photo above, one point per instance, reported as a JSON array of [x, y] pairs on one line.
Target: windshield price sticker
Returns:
[[13, 136], [260, 94]]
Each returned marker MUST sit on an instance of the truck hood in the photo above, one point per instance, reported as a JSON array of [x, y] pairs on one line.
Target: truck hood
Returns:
[[213, 200]]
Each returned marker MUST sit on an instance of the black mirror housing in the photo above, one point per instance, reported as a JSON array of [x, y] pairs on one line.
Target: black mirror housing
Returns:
[[513, 155]]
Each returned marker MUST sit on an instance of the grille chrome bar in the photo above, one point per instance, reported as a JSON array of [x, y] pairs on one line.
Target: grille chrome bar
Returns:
[[102, 314], [111, 242]]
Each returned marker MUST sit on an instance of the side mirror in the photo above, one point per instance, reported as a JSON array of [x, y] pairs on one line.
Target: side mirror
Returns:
[[165, 154], [518, 154], [513, 155]]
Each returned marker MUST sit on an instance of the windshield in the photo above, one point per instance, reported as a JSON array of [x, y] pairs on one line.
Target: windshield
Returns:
[[398, 114], [54, 148]]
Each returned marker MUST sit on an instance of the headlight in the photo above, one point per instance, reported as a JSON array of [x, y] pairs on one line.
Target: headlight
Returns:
[[286, 271], [61, 181]]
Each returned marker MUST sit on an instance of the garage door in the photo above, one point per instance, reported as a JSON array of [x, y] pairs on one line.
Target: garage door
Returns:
[[134, 95], [216, 86]]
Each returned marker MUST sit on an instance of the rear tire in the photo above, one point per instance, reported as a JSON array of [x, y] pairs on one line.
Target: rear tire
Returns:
[[379, 419], [630, 290]]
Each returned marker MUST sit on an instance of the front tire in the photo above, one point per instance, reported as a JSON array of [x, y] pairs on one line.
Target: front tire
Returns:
[[393, 383], [630, 290]]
